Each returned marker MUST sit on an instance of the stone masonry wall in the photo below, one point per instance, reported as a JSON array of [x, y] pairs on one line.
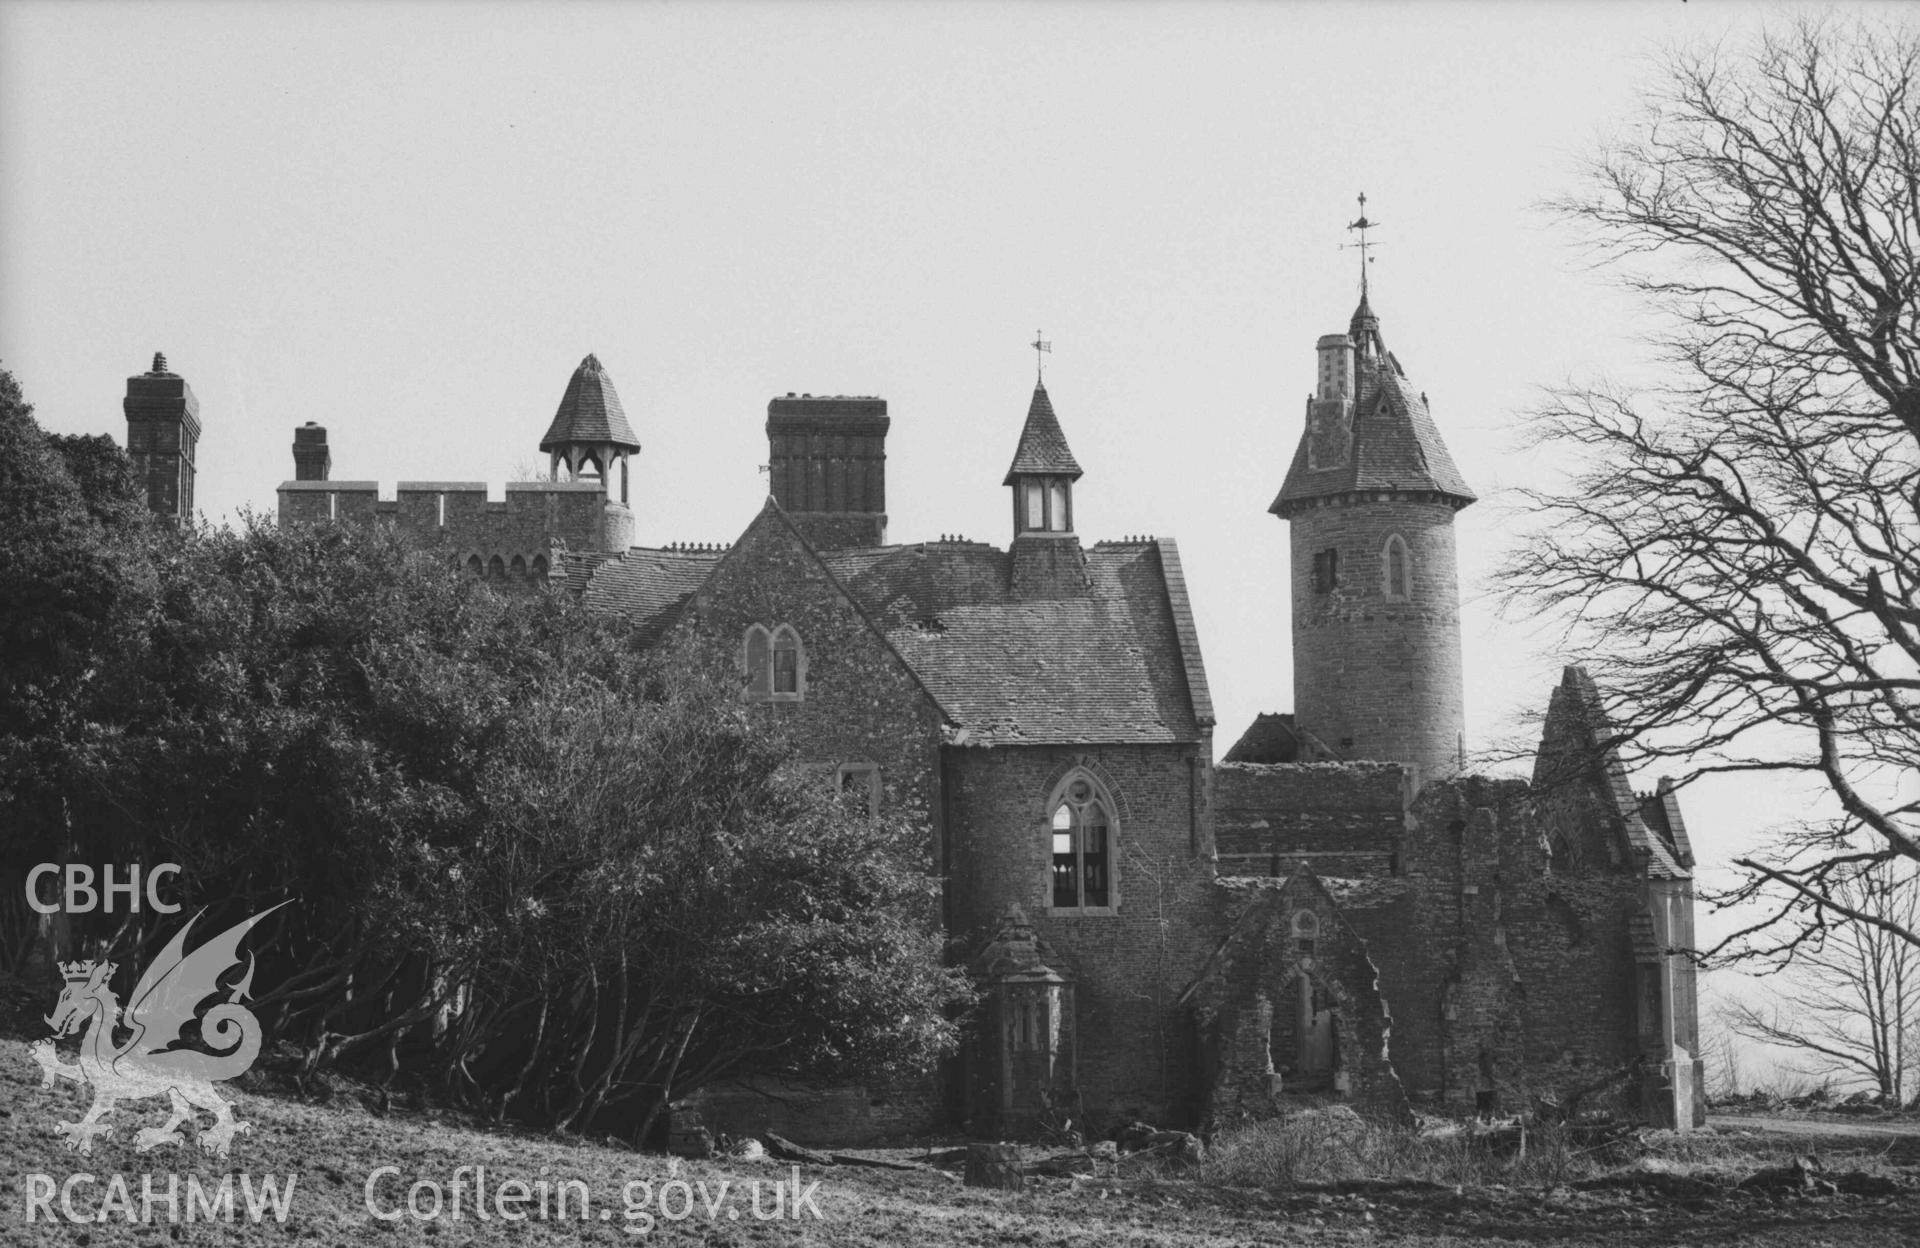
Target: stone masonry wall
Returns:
[[1373, 678], [860, 705], [1135, 1054], [1499, 970], [535, 515], [1339, 819]]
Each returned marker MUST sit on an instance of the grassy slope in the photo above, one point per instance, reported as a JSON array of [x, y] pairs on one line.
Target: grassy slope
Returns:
[[333, 1147]]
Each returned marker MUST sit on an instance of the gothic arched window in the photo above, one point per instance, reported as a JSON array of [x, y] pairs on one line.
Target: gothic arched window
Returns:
[[758, 652], [1081, 834], [776, 664], [1396, 569], [789, 663]]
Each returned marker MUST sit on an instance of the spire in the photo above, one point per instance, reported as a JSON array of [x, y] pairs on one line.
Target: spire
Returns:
[[590, 413], [1043, 447], [1364, 329]]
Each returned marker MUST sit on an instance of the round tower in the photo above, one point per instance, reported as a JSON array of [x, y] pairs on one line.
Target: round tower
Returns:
[[1370, 499]]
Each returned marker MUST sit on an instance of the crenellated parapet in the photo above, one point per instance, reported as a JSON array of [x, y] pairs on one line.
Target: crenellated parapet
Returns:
[[493, 538]]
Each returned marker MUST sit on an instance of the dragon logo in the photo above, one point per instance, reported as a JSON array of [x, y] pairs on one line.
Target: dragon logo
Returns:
[[164, 1002]]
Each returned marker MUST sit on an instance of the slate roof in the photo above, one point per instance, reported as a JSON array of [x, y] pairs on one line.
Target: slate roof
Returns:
[[648, 587], [1396, 445], [1268, 739], [590, 411], [1661, 811], [1043, 447], [1120, 664]]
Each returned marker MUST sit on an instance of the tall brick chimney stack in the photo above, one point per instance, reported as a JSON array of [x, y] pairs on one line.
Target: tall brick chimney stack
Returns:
[[827, 459], [1370, 500], [312, 461], [163, 429]]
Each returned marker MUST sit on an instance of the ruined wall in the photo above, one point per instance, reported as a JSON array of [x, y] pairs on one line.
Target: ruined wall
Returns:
[[1340, 819], [1498, 916], [1135, 1054], [1244, 1004], [1503, 975]]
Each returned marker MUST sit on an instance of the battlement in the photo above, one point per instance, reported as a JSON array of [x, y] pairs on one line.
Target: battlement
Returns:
[[534, 518]]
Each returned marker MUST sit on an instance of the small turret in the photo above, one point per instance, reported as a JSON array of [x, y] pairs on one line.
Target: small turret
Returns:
[[589, 430], [1047, 559], [1043, 472]]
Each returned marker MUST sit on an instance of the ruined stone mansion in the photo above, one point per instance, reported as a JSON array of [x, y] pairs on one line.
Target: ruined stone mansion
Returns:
[[1331, 910]]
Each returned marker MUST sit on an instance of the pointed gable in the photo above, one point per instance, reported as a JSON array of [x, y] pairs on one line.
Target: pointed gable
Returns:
[[1576, 744], [590, 412], [1043, 447], [1396, 444], [1119, 664]]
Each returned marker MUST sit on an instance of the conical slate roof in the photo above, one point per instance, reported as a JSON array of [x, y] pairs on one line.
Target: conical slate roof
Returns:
[[590, 412], [1043, 448], [1396, 445]]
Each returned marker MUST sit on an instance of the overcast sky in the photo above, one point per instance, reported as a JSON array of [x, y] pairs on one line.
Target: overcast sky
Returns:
[[409, 223]]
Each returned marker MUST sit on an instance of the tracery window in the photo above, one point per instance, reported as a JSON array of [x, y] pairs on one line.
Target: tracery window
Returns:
[[788, 659], [775, 662], [1306, 932], [1082, 839]]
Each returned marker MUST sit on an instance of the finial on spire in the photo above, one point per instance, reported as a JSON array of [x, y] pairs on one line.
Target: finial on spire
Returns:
[[1366, 257], [1041, 348]]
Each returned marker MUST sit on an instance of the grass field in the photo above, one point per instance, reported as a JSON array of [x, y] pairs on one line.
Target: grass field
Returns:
[[1259, 1189]]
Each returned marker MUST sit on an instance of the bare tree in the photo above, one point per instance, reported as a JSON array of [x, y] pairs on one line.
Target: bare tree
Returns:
[[1736, 553], [1850, 1005]]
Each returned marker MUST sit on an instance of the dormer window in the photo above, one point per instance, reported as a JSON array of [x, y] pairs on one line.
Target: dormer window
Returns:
[[776, 664], [1081, 835]]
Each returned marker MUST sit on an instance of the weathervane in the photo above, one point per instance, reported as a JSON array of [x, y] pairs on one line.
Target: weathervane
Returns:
[[1040, 348], [1363, 225]]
